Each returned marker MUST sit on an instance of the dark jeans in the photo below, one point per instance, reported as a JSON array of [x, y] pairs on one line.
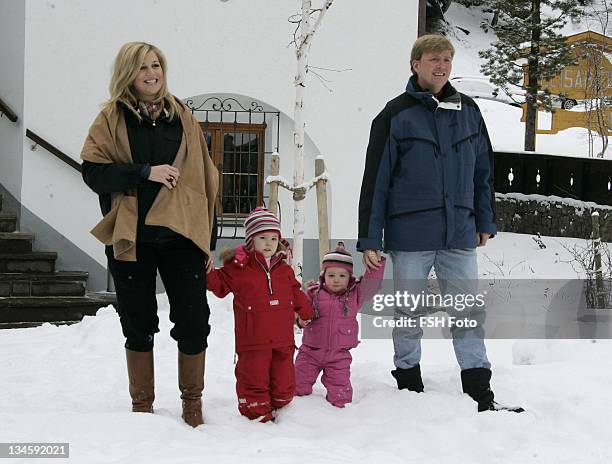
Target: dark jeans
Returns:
[[182, 267]]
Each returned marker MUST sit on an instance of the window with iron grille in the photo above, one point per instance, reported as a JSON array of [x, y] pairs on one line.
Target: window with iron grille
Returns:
[[238, 152], [241, 135]]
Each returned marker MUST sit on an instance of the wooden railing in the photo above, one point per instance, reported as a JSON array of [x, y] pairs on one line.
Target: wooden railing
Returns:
[[38, 140]]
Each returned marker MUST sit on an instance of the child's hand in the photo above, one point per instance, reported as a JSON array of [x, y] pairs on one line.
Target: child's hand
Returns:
[[372, 259], [302, 323]]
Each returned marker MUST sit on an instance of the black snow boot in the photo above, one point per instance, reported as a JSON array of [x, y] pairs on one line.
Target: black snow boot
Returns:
[[409, 379], [476, 384]]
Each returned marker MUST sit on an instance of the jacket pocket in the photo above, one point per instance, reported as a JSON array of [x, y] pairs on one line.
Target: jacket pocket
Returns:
[[315, 333], [269, 321], [418, 171], [347, 335], [464, 154], [464, 138], [401, 202], [416, 157], [464, 149]]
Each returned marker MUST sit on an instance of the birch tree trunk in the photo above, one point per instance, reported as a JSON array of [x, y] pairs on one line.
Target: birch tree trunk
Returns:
[[298, 141], [303, 47]]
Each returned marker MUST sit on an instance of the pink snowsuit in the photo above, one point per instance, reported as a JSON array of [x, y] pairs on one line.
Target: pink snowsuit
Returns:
[[331, 334]]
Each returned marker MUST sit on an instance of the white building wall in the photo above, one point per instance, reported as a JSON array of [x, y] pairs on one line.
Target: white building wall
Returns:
[[12, 38], [236, 46]]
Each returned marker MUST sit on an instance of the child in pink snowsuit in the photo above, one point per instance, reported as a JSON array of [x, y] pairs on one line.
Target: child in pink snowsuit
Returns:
[[333, 331]]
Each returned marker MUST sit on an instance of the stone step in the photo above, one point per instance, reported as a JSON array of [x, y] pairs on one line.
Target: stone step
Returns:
[[59, 275], [18, 312], [55, 284], [34, 262], [15, 242], [8, 223]]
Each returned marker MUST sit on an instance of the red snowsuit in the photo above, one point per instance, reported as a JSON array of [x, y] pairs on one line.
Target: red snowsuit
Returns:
[[265, 303], [329, 337]]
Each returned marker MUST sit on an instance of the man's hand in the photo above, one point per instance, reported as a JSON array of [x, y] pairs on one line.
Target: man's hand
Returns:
[[371, 259], [481, 238], [302, 323]]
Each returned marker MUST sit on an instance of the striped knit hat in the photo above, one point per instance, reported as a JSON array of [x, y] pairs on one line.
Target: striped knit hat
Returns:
[[338, 258], [260, 220]]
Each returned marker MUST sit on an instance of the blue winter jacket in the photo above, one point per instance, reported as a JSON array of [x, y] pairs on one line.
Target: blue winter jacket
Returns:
[[428, 179]]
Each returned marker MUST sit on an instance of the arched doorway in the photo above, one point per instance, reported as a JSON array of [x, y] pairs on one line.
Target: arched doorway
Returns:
[[241, 134]]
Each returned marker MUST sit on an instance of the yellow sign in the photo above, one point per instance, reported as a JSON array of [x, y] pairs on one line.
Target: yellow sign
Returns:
[[592, 52], [564, 119], [572, 82]]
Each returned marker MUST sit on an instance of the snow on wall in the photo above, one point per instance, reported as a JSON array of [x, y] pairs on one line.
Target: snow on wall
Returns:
[[236, 46], [580, 205]]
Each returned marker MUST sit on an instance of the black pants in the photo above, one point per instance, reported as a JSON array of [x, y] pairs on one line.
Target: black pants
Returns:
[[182, 267]]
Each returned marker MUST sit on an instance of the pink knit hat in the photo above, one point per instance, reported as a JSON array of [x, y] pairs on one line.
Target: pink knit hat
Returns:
[[338, 258], [260, 220]]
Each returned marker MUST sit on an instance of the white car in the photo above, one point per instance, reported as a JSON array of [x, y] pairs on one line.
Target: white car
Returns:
[[478, 87], [560, 101]]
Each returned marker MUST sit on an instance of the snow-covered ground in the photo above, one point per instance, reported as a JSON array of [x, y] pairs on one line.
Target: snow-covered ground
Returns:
[[507, 132], [504, 121], [69, 384]]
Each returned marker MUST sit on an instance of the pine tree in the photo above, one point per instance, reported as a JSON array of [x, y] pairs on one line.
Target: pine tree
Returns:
[[524, 32]]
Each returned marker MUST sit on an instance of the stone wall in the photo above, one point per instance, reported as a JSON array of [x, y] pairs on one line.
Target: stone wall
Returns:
[[551, 216]]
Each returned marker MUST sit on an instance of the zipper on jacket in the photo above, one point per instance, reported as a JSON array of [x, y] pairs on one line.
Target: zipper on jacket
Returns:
[[269, 282], [332, 316], [267, 271], [435, 117], [331, 323]]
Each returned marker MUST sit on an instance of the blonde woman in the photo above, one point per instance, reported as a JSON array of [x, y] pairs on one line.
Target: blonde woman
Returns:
[[146, 158]]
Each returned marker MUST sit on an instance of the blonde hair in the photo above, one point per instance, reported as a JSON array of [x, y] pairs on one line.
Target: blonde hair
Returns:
[[430, 43], [126, 68]]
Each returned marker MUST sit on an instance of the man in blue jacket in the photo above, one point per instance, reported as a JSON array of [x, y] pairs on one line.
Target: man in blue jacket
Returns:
[[427, 198]]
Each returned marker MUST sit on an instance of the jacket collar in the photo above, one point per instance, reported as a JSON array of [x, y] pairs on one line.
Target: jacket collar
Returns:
[[164, 117], [242, 256], [451, 99]]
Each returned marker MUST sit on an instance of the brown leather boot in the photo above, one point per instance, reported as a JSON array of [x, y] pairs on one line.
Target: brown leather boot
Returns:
[[191, 384], [142, 382]]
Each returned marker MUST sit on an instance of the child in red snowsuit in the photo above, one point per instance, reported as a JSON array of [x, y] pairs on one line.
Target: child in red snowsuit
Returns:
[[266, 298], [326, 342]]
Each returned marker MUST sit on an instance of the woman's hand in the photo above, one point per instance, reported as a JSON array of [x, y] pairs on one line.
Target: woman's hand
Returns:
[[165, 174], [210, 263]]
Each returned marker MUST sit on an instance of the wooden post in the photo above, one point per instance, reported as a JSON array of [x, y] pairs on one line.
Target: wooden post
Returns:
[[322, 209], [274, 171], [600, 295], [422, 21]]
